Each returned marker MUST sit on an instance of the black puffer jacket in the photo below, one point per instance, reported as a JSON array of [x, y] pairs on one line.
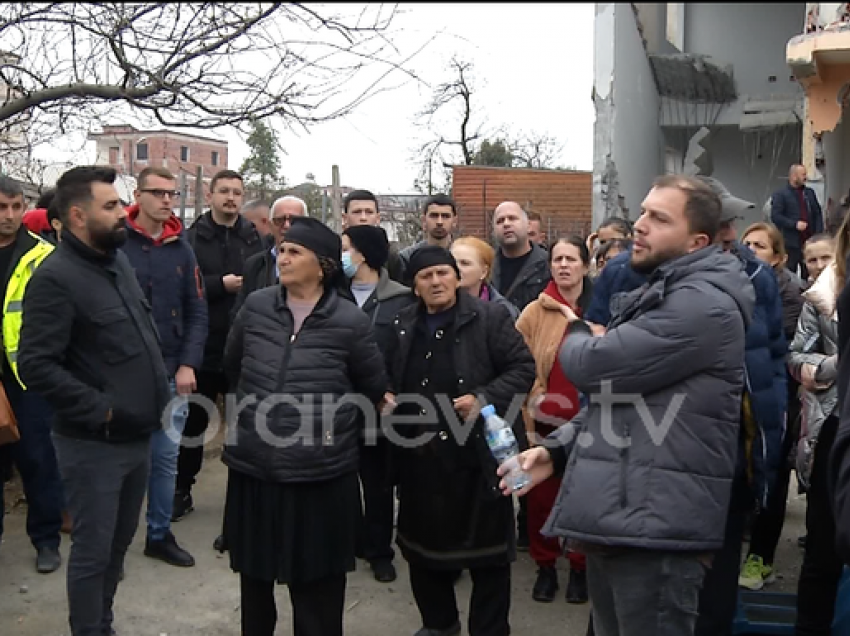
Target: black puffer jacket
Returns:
[[220, 250], [529, 282], [332, 356]]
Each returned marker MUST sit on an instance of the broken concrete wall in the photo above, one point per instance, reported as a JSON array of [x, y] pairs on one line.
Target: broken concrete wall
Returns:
[[627, 138], [751, 39]]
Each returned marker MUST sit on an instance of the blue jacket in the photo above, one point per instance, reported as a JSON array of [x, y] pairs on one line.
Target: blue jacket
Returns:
[[765, 350], [785, 212], [171, 281]]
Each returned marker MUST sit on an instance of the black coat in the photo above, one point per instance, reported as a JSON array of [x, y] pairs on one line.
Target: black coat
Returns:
[[89, 345], [388, 299], [260, 272], [333, 355], [490, 360], [220, 250], [529, 282], [785, 212]]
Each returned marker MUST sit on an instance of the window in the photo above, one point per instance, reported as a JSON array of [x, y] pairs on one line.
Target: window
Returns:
[[184, 153], [214, 158], [114, 154], [141, 152]]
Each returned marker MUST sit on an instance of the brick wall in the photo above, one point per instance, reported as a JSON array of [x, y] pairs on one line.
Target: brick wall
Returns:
[[563, 198]]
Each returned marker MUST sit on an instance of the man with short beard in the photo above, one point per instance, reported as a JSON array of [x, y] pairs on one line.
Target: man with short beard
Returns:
[[223, 240], [439, 221], [648, 483], [90, 348]]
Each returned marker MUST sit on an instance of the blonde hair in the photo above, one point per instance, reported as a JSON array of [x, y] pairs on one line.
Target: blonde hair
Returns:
[[777, 243], [486, 254]]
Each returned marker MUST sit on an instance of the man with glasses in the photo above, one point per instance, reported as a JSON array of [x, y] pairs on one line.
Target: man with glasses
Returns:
[[261, 268], [360, 207], [223, 240], [169, 276]]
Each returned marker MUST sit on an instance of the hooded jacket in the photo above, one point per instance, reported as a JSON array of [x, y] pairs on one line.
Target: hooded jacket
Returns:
[[766, 380], [654, 465], [171, 281]]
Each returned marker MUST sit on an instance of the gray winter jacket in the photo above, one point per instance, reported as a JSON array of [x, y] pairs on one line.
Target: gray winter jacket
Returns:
[[815, 343], [654, 463]]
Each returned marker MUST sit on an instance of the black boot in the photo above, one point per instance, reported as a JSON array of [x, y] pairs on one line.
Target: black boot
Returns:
[[167, 550], [577, 588], [220, 544], [47, 559], [546, 585], [454, 630]]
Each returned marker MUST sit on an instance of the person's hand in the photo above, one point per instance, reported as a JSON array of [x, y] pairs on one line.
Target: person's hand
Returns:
[[467, 406], [807, 376], [801, 226], [591, 240], [184, 380], [597, 330], [387, 404], [569, 313], [536, 462], [232, 283]]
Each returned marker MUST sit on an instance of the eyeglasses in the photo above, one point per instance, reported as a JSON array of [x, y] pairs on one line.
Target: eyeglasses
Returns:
[[161, 194], [281, 221]]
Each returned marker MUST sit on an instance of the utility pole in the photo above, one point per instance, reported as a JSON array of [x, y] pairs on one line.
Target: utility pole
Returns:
[[336, 204], [199, 191], [183, 192]]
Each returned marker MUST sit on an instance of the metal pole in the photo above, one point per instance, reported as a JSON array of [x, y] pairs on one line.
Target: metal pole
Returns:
[[199, 191], [336, 204], [183, 193]]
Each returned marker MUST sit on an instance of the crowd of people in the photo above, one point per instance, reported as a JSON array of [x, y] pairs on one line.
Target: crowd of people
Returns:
[[663, 380]]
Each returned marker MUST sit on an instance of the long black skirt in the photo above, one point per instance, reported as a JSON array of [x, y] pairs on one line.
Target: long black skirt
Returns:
[[291, 533]]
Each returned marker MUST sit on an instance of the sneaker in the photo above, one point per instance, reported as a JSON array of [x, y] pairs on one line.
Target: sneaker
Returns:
[[48, 560], [183, 505], [754, 573], [577, 588], [546, 585], [167, 550], [384, 570]]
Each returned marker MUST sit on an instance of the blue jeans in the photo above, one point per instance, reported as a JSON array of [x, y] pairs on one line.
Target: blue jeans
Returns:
[[36, 462], [165, 448]]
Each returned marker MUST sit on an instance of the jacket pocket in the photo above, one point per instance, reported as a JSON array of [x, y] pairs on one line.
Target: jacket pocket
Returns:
[[117, 342]]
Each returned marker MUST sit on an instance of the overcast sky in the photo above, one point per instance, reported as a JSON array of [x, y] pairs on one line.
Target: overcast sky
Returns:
[[534, 68], [533, 73]]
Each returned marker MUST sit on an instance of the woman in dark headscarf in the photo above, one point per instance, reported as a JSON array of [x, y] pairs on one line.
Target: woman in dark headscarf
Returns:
[[294, 352]]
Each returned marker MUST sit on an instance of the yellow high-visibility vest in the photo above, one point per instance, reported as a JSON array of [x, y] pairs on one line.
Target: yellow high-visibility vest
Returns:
[[13, 302]]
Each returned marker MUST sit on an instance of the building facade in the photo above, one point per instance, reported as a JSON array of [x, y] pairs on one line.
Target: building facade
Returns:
[[130, 151], [694, 88]]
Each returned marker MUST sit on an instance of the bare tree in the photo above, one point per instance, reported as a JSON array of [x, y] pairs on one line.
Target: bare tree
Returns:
[[197, 65], [457, 94], [535, 150]]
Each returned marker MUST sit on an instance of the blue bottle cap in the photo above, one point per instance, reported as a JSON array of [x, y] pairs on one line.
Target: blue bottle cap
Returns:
[[488, 410]]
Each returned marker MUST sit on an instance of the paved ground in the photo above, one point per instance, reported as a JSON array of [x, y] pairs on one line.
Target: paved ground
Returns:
[[156, 599]]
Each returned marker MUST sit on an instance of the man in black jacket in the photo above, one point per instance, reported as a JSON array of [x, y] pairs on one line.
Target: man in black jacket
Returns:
[[520, 274], [795, 210], [223, 241], [90, 347], [360, 207], [261, 268]]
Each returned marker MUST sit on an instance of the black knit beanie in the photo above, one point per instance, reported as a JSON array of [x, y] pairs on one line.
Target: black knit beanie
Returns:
[[372, 242]]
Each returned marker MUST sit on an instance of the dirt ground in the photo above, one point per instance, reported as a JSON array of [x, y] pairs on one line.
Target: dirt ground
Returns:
[[156, 599]]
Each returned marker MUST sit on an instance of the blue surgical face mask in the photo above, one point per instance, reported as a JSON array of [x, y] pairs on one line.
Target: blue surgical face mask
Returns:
[[349, 268]]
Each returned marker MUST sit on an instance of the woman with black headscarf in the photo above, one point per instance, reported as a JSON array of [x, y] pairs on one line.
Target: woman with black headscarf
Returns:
[[294, 352]]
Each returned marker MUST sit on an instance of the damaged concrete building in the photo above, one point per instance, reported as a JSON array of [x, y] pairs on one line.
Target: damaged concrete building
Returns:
[[696, 88], [819, 57]]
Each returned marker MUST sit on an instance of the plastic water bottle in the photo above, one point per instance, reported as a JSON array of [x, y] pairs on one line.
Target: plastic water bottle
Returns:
[[503, 445]]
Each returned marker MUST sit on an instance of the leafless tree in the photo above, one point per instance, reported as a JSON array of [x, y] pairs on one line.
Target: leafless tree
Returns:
[[535, 150], [196, 65]]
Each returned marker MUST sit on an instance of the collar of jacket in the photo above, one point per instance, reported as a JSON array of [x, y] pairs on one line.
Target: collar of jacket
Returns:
[[325, 307], [206, 227], [388, 288], [73, 244]]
